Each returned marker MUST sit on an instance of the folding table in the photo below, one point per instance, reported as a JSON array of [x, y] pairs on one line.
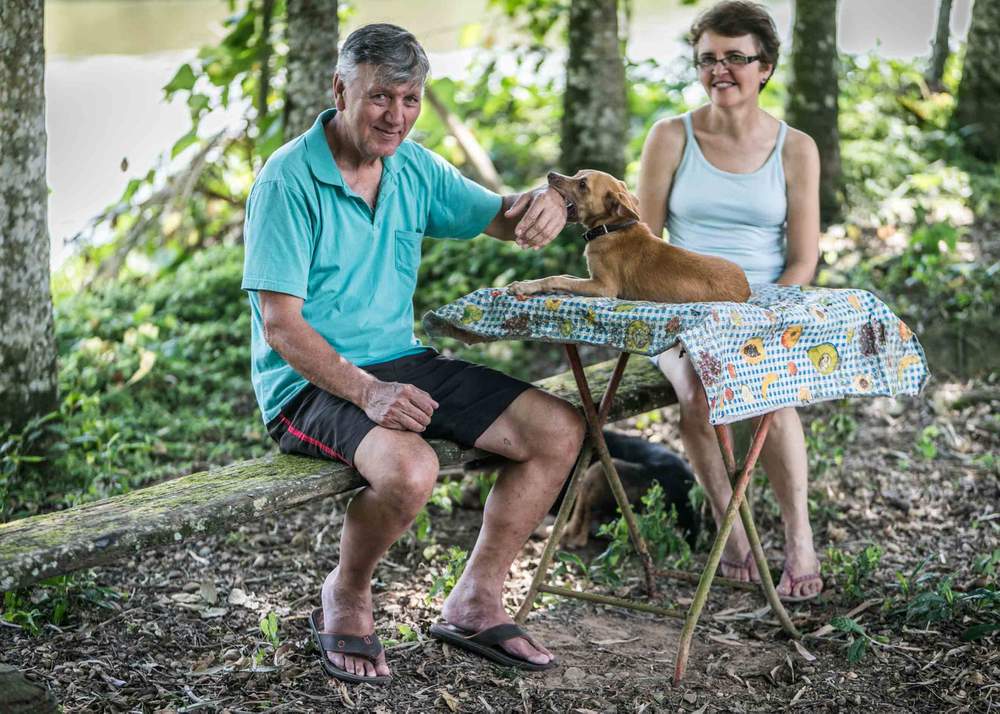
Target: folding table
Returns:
[[786, 346]]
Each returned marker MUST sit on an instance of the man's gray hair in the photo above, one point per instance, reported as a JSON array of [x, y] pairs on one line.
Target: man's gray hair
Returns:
[[395, 53]]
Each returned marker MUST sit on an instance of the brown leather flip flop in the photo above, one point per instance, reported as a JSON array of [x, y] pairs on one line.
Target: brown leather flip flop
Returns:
[[369, 647], [486, 643]]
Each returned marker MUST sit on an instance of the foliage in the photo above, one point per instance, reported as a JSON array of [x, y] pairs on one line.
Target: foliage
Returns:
[[853, 574], [53, 601], [451, 570], [657, 525], [138, 403], [827, 438]]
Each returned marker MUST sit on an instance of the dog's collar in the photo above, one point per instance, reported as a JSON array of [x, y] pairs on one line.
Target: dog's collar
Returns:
[[605, 229]]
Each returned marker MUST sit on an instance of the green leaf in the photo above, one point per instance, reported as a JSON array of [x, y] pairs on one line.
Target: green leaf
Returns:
[[846, 624], [857, 650], [979, 631], [183, 81], [184, 142]]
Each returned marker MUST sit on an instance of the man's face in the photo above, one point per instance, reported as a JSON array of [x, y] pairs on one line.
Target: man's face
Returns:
[[378, 116]]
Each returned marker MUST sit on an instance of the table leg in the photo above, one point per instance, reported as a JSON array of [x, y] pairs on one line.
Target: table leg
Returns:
[[610, 472], [726, 527], [746, 515]]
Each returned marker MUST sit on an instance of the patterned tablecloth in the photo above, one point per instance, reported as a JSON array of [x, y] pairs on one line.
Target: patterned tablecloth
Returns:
[[786, 346]]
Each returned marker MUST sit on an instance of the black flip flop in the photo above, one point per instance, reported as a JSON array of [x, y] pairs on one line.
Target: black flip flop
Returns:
[[369, 647], [486, 643]]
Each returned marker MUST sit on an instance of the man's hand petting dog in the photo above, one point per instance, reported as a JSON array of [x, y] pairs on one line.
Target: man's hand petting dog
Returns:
[[543, 215], [394, 405]]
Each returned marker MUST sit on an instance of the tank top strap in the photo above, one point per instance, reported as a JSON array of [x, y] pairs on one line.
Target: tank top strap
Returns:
[[780, 143], [690, 143]]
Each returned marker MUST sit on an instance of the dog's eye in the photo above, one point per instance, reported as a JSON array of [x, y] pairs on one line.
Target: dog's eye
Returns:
[[583, 183]]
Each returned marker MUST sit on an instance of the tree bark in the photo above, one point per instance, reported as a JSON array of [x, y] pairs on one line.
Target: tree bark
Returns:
[[979, 93], [813, 93], [594, 105], [939, 55], [313, 34], [28, 377]]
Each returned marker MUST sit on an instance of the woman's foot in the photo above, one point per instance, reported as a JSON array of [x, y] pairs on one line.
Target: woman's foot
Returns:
[[800, 579]]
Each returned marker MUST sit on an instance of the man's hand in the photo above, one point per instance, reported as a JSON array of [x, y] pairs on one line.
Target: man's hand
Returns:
[[542, 215], [398, 406]]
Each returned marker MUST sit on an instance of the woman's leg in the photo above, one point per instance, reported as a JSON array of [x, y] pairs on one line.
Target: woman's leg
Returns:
[[785, 462], [702, 450]]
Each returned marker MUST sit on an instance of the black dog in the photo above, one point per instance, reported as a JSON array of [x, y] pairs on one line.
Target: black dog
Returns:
[[639, 464]]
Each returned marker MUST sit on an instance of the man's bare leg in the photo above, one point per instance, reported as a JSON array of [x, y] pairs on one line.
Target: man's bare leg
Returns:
[[541, 435], [401, 470]]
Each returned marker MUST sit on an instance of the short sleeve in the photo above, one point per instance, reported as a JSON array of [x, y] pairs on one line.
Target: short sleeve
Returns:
[[278, 237], [460, 208]]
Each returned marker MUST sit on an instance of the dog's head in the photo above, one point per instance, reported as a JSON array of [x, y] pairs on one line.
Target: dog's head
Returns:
[[594, 198]]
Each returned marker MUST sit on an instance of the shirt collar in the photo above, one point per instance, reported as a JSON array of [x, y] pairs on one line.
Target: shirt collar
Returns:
[[321, 162]]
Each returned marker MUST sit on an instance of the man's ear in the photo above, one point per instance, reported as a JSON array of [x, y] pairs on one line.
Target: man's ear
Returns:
[[622, 203], [338, 92]]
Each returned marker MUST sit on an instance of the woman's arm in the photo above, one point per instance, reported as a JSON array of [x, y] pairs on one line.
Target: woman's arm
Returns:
[[801, 161], [661, 155]]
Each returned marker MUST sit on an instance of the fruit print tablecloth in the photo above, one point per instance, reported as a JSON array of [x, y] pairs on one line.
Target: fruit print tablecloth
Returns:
[[786, 346]]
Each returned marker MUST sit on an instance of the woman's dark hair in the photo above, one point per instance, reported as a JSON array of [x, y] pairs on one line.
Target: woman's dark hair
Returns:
[[733, 18]]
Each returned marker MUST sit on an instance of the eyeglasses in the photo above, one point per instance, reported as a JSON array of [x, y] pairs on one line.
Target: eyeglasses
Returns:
[[734, 59]]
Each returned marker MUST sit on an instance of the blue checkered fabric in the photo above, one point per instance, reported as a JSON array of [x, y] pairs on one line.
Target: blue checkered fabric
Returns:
[[786, 346]]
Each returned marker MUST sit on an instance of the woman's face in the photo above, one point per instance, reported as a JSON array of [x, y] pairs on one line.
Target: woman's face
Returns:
[[730, 84]]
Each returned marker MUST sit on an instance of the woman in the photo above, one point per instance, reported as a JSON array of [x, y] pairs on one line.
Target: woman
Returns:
[[729, 179]]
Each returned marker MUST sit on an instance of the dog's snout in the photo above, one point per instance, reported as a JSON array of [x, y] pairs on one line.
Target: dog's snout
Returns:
[[553, 176]]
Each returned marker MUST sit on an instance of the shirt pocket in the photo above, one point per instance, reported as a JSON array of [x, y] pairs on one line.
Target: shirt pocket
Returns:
[[407, 248]]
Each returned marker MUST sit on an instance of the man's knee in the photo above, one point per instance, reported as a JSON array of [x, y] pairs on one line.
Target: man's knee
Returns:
[[560, 433], [405, 478]]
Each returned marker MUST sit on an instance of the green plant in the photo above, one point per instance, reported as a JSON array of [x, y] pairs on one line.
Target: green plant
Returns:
[[828, 437], [54, 600], [269, 628], [927, 443], [450, 571], [853, 574], [658, 526], [858, 638]]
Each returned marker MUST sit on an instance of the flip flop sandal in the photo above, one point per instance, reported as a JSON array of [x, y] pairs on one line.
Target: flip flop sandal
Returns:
[[796, 581], [368, 647], [486, 643], [742, 565]]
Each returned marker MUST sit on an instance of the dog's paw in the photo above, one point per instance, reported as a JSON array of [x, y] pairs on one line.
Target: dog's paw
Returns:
[[523, 288]]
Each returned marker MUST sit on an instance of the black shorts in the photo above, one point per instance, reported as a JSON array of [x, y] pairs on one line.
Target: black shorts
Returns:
[[470, 397]]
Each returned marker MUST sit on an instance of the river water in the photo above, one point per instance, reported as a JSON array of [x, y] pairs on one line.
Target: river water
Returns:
[[107, 61]]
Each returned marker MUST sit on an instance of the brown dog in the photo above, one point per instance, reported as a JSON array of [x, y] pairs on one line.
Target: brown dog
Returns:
[[625, 259]]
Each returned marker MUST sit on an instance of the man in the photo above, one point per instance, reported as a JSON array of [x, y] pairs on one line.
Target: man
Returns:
[[333, 230]]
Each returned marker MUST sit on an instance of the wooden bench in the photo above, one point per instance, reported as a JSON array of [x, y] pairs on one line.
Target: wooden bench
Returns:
[[35, 548]]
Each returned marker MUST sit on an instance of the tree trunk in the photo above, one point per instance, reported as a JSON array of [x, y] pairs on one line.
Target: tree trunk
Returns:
[[594, 106], [979, 93], [813, 92], [28, 378], [940, 53], [313, 34]]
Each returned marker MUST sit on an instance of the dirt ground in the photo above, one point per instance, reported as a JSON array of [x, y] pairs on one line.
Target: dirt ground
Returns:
[[184, 633]]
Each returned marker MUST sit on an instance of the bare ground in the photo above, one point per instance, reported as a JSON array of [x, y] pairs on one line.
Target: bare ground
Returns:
[[183, 635]]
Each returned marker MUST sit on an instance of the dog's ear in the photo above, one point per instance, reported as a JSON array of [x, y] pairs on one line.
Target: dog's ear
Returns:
[[619, 202]]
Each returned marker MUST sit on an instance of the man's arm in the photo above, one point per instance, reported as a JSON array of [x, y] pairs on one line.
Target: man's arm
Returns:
[[531, 219], [389, 404]]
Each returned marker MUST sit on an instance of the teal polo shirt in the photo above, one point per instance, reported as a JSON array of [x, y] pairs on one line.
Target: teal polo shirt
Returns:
[[309, 235]]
